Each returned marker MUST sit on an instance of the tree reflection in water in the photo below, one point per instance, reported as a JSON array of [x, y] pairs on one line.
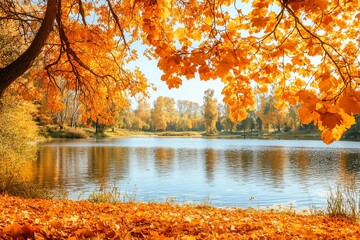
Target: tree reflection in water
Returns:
[[216, 167], [210, 157], [164, 159]]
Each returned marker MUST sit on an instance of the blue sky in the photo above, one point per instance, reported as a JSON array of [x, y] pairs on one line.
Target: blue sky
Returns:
[[192, 89]]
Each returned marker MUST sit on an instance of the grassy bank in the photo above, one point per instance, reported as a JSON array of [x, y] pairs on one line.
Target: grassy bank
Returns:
[[77, 133], [56, 132], [59, 219]]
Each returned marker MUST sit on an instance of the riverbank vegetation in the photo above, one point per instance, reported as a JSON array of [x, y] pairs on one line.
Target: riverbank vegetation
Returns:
[[18, 133], [312, 67], [165, 117]]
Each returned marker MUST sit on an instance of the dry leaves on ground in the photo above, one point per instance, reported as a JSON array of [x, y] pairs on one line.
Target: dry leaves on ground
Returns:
[[65, 219]]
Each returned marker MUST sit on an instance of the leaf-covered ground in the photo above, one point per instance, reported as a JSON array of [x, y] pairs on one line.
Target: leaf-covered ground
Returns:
[[59, 219]]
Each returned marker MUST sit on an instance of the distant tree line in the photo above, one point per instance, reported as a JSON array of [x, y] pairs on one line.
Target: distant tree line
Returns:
[[166, 114]]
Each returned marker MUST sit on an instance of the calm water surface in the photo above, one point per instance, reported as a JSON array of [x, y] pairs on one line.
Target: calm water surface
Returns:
[[229, 172]]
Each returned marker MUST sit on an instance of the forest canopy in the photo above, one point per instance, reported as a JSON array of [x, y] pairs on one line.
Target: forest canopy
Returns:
[[304, 51]]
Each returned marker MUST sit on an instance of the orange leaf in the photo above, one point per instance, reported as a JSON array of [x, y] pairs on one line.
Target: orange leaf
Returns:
[[305, 115], [325, 85], [28, 230], [259, 22], [307, 97], [349, 104], [180, 33], [84, 233], [13, 230], [330, 120], [154, 233], [327, 136], [57, 224]]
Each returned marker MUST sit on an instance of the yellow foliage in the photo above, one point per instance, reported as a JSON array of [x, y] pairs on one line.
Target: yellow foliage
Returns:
[[17, 135], [180, 33], [306, 49]]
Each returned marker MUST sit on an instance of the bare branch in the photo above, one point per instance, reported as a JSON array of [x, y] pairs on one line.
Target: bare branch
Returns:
[[117, 22]]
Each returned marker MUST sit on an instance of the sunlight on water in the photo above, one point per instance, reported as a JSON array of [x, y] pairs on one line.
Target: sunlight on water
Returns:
[[224, 172]]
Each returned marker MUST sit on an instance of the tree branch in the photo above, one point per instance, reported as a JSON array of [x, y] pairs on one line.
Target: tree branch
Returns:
[[18, 67]]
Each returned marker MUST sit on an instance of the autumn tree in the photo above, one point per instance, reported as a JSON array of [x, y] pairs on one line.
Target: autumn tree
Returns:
[[188, 112], [171, 113], [70, 113], [9, 44], [307, 49], [142, 116], [259, 123], [270, 115], [248, 123], [125, 119], [294, 120], [72, 57], [224, 117], [159, 115], [17, 131], [210, 111]]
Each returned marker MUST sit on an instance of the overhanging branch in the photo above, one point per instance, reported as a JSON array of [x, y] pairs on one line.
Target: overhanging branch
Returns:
[[18, 67]]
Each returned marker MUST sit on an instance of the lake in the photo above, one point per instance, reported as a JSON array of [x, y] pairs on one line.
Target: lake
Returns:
[[222, 171]]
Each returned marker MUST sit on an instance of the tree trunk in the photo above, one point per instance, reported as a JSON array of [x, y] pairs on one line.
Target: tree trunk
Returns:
[[97, 128], [18, 67]]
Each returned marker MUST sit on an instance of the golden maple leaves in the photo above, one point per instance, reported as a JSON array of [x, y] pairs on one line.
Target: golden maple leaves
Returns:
[[305, 51], [331, 119], [89, 58]]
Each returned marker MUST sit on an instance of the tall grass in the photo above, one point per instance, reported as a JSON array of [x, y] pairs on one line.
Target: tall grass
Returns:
[[23, 188], [110, 195], [344, 201], [54, 132]]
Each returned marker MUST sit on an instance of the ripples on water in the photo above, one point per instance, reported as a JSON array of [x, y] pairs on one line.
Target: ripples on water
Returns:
[[229, 172]]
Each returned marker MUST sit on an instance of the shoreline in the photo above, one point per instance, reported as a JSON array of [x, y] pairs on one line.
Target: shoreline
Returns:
[[54, 133], [49, 133]]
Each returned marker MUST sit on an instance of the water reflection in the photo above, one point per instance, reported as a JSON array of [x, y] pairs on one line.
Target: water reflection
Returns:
[[349, 168], [143, 155], [210, 156], [187, 158], [271, 163], [300, 163], [54, 165], [231, 170], [239, 163], [107, 162], [164, 160]]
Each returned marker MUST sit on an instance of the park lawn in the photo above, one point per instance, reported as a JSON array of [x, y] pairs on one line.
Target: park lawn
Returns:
[[59, 219]]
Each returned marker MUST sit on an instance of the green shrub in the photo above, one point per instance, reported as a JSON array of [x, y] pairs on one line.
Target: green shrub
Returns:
[[287, 128]]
